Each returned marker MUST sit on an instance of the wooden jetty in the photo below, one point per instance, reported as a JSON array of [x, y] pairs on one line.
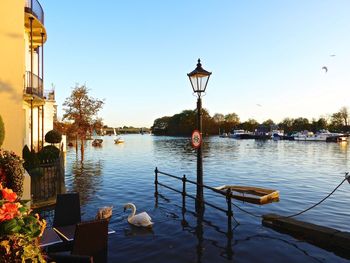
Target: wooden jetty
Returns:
[[325, 237]]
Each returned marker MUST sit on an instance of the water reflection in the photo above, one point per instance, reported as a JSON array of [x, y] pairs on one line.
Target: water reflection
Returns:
[[85, 178], [138, 231], [198, 230]]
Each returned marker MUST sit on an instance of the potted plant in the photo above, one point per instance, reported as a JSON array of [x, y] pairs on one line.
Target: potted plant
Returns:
[[19, 230]]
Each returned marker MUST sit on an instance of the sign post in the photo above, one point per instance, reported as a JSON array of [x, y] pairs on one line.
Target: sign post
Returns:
[[196, 139]]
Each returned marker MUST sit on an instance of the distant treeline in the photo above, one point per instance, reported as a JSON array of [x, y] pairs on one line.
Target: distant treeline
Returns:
[[182, 124]]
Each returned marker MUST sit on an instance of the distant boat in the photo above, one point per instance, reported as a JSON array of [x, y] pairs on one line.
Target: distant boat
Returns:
[[117, 139], [97, 141], [321, 136], [277, 134], [241, 134]]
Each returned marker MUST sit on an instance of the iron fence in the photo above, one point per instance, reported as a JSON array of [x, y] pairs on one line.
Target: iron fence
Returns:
[[47, 181], [227, 195]]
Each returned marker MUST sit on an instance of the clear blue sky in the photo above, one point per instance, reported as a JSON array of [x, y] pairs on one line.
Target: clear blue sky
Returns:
[[135, 54]]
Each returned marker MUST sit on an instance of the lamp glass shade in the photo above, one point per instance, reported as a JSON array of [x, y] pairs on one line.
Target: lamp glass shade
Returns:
[[199, 78]]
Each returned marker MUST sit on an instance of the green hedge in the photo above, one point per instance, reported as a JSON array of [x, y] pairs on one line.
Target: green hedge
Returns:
[[53, 136], [11, 171], [49, 153]]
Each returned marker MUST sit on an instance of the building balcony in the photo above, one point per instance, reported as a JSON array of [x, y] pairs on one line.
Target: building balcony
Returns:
[[34, 7], [33, 88], [34, 12]]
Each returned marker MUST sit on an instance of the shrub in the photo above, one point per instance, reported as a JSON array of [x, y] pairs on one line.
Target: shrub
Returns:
[[31, 160], [53, 136], [2, 131], [49, 153], [11, 171]]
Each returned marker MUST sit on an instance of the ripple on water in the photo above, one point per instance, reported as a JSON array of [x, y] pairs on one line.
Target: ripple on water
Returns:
[[303, 173]]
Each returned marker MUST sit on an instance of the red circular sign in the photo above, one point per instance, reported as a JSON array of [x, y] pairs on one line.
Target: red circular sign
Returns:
[[196, 139]]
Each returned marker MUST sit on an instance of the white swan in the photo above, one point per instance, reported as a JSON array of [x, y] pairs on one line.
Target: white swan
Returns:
[[142, 219]]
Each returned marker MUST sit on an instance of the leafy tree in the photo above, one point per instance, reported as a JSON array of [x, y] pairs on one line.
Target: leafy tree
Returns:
[[183, 123], [336, 121], [250, 125], [344, 113], [82, 110], [232, 118], [160, 126], [268, 123], [320, 124], [218, 117], [301, 124], [287, 125], [97, 125]]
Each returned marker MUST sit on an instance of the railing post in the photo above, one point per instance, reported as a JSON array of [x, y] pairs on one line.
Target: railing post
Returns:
[[184, 192], [183, 221], [229, 213], [156, 182]]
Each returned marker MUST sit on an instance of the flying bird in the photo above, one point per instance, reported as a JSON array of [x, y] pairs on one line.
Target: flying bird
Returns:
[[259, 105], [333, 55], [325, 69]]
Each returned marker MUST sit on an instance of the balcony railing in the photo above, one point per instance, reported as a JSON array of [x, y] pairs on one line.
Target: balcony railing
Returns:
[[34, 7], [34, 87]]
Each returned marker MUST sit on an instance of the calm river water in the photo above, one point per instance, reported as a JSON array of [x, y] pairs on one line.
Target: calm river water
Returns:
[[303, 172]]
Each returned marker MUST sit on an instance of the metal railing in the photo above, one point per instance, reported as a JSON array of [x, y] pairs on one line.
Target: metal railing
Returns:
[[33, 84], [227, 194], [34, 7]]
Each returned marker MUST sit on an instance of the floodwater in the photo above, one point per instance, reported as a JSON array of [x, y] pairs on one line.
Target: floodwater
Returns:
[[303, 172]]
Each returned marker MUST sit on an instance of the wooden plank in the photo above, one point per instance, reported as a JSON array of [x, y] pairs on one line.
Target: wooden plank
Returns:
[[325, 237], [251, 194]]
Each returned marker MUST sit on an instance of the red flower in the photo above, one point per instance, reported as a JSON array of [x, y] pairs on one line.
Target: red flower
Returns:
[[8, 194], [9, 211]]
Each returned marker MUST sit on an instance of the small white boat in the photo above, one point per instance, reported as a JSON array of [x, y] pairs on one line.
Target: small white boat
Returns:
[[118, 140]]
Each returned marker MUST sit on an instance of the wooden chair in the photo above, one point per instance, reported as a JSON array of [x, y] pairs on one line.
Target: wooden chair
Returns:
[[90, 244], [67, 210]]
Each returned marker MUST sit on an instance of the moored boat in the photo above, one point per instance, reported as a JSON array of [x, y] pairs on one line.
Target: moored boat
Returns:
[[241, 134], [97, 142], [118, 140], [321, 136]]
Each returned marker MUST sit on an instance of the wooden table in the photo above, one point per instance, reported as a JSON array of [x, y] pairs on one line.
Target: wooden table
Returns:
[[67, 232], [49, 237]]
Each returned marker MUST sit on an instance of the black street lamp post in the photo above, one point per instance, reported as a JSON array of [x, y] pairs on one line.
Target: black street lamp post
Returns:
[[199, 79]]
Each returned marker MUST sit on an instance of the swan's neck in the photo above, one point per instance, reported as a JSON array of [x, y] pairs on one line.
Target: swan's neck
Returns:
[[133, 211]]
